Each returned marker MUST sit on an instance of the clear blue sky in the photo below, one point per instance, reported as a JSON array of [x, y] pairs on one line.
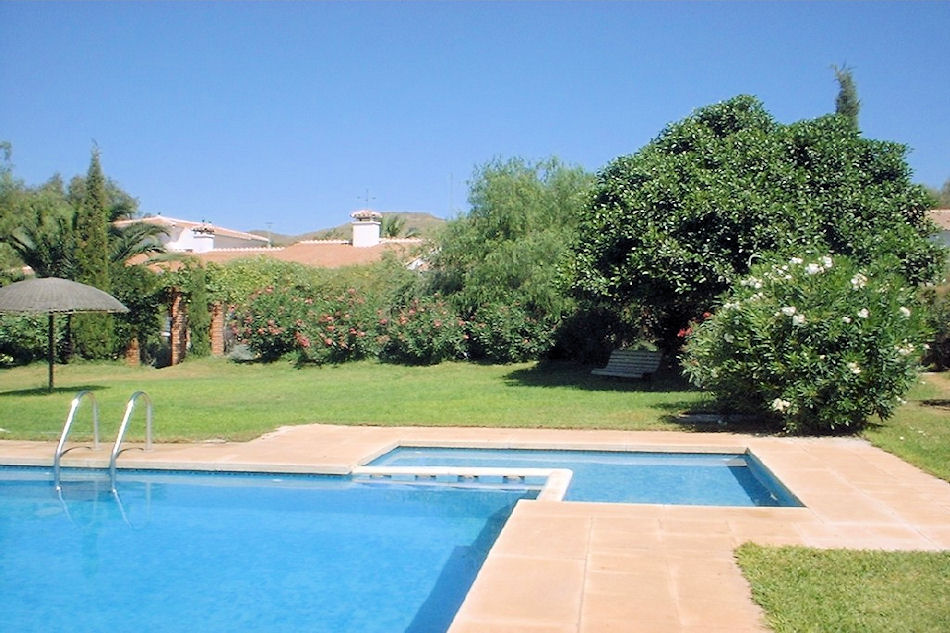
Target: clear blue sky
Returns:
[[287, 113]]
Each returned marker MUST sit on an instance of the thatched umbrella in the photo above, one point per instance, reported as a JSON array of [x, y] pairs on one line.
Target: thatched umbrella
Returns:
[[52, 296]]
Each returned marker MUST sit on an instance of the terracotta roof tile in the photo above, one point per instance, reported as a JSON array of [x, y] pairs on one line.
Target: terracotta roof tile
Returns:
[[942, 218], [321, 254]]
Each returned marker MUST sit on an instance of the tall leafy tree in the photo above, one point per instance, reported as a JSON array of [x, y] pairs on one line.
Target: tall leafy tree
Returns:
[[670, 228], [92, 229], [93, 333], [847, 103], [499, 262]]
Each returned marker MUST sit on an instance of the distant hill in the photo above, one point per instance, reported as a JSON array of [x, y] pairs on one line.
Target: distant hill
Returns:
[[419, 224]]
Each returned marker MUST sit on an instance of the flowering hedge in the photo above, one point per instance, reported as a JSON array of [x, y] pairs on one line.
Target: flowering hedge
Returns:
[[339, 328], [425, 332], [348, 326], [505, 333], [269, 322], [819, 343]]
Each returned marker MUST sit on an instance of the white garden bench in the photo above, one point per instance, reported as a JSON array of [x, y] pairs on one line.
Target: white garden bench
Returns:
[[629, 363]]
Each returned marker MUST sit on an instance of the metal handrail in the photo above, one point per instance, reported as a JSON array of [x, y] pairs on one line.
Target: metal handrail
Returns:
[[73, 407], [129, 408]]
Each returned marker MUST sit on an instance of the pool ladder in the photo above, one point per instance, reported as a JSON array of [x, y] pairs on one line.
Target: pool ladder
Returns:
[[116, 448]]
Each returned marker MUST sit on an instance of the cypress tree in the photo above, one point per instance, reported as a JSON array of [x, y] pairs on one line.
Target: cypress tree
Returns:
[[847, 103], [93, 332]]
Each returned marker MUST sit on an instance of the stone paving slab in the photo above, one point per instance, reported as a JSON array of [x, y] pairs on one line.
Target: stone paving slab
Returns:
[[560, 567]]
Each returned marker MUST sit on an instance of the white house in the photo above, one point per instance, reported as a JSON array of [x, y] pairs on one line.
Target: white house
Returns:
[[186, 236]]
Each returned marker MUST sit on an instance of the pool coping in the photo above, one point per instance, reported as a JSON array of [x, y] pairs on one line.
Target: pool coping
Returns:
[[584, 567]]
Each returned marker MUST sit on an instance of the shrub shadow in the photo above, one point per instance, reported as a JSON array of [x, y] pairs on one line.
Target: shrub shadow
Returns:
[[43, 391], [576, 376], [687, 415], [710, 421]]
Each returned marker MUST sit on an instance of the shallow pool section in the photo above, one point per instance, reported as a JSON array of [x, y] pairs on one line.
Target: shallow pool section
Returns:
[[713, 479], [206, 552]]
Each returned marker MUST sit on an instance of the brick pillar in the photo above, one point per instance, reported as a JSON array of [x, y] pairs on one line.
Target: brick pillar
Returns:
[[217, 329], [179, 327], [133, 354]]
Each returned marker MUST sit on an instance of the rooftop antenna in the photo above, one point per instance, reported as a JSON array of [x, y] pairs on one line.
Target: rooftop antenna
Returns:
[[366, 198]]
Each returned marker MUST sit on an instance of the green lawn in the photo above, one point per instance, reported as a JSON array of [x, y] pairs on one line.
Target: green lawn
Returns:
[[815, 591], [920, 431], [800, 589], [215, 398]]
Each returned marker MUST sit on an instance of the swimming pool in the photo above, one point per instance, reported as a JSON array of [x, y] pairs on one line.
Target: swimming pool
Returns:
[[174, 551], [715, 479]]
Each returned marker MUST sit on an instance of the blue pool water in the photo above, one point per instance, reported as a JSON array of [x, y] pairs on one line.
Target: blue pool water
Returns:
[[625, 477], [215, 552]]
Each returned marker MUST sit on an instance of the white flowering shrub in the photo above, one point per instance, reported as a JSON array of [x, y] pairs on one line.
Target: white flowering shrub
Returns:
[[818, 343]]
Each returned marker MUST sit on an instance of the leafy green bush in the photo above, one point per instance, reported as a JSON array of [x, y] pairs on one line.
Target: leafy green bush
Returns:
[[505, 333], [820, 344], [142, 292], [24, 339], [234, 282], [425, 332]]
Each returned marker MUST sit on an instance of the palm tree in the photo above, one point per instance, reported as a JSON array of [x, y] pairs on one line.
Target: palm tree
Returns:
[[135, 238], [44, 240], [393, 225]]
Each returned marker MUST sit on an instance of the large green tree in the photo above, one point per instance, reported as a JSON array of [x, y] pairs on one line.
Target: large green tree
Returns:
[[93, 333], [499, 262], [671, 227]]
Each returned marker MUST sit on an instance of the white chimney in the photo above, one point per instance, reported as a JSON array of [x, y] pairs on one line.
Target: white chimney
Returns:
[[366, 225], [203, 237]]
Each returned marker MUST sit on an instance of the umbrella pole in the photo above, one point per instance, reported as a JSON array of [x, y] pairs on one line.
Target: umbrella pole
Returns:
[[51, 350]]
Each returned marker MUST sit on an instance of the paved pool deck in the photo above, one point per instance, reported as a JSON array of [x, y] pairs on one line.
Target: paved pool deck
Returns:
[[569, 567]]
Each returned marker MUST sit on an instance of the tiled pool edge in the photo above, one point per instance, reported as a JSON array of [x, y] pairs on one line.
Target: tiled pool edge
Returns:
[[593, 567]]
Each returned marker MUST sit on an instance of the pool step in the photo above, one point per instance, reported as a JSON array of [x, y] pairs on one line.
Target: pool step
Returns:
[[552, 481]]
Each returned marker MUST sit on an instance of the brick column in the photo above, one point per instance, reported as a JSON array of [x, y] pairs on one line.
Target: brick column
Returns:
[[133, 354], [217, 329], [179, 327]]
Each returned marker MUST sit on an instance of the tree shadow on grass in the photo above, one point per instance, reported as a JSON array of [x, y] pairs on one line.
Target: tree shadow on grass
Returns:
[[568, 374], [43, 391], [685, 414], [710, 421]]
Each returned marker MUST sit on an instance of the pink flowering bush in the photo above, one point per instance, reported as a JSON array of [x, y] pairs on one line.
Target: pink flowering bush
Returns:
[[338, 329], [818, 343], [269, 321], [424, 332]]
